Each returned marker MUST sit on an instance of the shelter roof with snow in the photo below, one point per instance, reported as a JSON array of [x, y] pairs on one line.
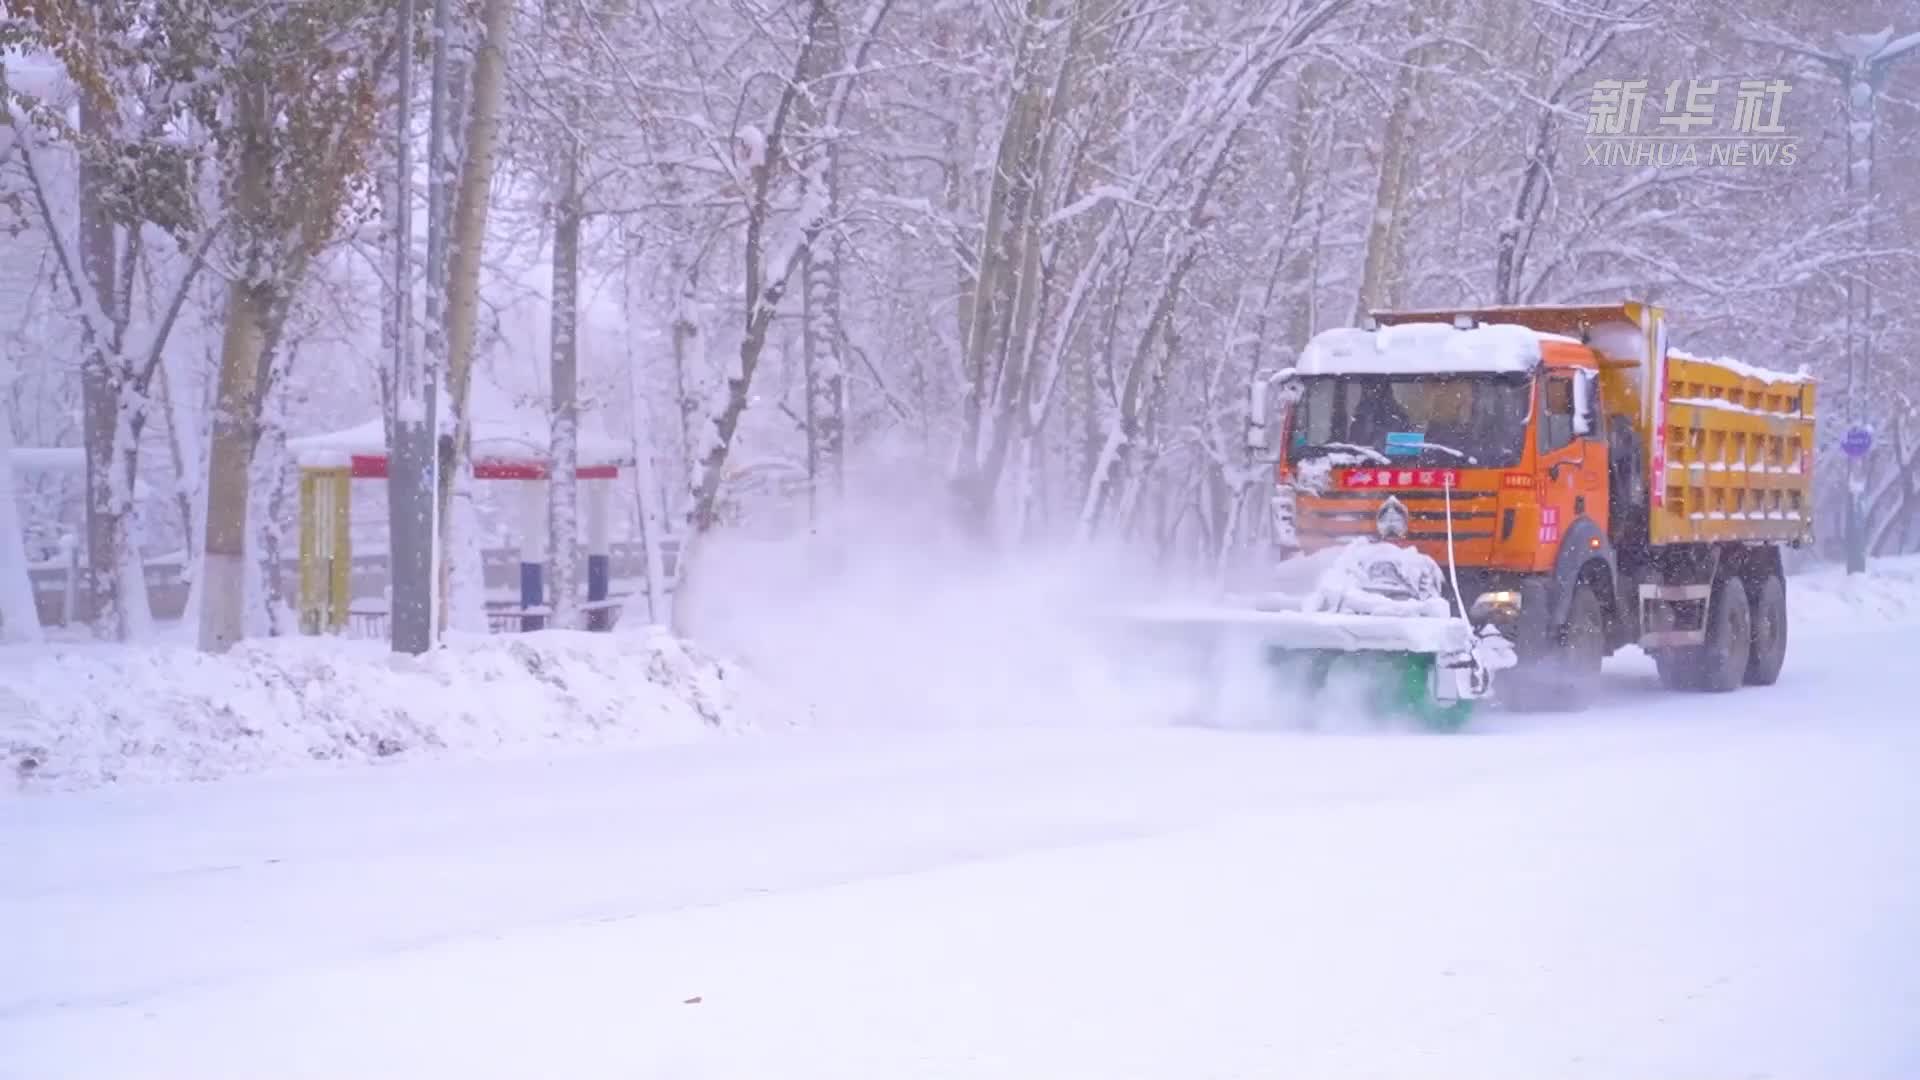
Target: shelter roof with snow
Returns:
[[508, 444]]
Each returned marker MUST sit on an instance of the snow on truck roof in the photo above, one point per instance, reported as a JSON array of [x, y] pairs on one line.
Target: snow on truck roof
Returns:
[[1436, 348], [1423, 348]]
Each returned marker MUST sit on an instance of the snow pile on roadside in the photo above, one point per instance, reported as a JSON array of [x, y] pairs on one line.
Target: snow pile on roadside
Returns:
[[1828, 598], [77, 716]]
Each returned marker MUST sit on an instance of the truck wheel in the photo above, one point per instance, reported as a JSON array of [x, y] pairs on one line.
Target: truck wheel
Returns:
[[1723, 665], [1559, 674], [1679, 668], [1769, 632], [1583, 645]]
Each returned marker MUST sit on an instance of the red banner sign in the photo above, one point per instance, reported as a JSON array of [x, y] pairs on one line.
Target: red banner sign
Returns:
[[1362, 479]]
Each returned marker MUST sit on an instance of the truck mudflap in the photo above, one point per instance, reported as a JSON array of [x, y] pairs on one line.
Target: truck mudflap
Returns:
[[1673, 616]]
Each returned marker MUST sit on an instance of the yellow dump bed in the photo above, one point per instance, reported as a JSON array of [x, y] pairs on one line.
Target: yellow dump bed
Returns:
[[1735, 444]]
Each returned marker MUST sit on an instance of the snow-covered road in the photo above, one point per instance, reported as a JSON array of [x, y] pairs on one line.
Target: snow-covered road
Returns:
[[1663, 887]]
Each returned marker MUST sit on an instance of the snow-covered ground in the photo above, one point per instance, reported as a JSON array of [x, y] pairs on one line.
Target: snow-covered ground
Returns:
[[975, 651], [1663, 886]]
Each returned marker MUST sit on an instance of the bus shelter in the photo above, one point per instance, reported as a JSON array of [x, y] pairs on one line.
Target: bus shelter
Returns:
[[504, 449]]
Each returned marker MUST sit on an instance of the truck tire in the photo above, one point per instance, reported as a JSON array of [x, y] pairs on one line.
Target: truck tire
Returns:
[[1721, 664], [1679, 668], [1723, 659], [1560, 673], [1583, 645], [1769, 650]]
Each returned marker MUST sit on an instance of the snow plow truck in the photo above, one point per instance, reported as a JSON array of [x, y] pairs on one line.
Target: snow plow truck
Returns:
[[1585, 485]]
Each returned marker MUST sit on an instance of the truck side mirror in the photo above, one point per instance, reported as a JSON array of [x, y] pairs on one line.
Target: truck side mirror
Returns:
[[1586, 396], [1257, 417], [1267, 389]]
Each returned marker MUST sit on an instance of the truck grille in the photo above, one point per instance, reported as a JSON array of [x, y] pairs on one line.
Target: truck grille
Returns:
[[1335, 515]]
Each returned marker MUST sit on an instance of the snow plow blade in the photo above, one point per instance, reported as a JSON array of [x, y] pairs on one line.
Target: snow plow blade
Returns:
[[1371, 638], [1428, 671]]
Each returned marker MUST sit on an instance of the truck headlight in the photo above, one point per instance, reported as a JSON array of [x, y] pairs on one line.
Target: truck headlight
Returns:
[[1496, 606]]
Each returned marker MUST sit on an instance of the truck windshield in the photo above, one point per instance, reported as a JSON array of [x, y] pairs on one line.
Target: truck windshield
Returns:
[[1472, 420]]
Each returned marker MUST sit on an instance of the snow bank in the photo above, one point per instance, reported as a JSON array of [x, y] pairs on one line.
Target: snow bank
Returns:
[[77, 716], [1829, 599]]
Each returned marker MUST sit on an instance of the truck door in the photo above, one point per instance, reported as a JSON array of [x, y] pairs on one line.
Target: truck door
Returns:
[[1572, 456]]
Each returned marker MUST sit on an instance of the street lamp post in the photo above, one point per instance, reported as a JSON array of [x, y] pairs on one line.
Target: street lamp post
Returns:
[[408, 509], [413, 463]]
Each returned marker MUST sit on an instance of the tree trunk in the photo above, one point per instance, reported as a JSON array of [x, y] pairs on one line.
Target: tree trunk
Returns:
[[686, 381], [1510, 241], [766, 286], [1005, 235], [1297, 317], [19, 614], [223, 600], [653, 536], [703, 515], [824, 337], [767, 278], [463, 267], [564, 489], [1006, 375], [710, 471], [100, 377], [648, 511], [1380, 277], [824, 345], [272, 501], [182, 475], [232, 428]]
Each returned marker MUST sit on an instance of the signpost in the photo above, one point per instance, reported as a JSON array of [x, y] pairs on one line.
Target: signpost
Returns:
[[1857, 442]]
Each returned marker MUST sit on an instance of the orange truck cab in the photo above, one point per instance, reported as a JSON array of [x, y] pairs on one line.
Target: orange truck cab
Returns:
[[1591, 486]]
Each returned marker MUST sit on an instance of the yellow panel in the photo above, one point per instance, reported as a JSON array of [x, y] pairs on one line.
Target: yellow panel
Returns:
[[310, 566], [340, 548], [326, 550], [1739, 456]]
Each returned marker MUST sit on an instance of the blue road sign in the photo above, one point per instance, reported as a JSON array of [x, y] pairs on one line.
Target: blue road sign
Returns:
[[1857, 442]]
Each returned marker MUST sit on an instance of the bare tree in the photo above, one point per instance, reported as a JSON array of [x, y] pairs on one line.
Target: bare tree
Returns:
[[19, 614], [294, 162], [135, 180], [1586, 37], [467, 245]]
